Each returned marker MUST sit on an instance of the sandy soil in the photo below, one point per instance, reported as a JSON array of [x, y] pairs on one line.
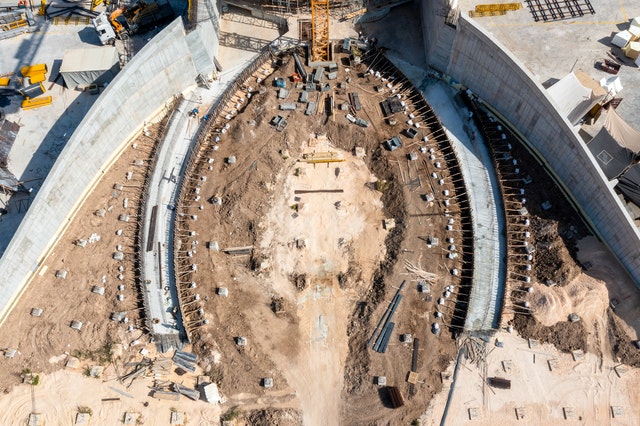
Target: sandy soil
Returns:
[[589, 388], [61, 395], [38, 339], [330, 293], [337, 229], [320, 274]]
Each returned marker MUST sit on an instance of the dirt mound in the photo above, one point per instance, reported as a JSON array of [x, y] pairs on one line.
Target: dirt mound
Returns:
[[621, 346], [565, 336], [274, 417], [554, 262]]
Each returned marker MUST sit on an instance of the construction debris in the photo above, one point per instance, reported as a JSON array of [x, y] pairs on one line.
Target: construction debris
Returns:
[[383, 338], [498, 382], [397, 399], [190, 393], [212, 394], [185, 360], [413, 269]]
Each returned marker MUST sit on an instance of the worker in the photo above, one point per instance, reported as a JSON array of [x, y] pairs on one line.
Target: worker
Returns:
[[22, 4]]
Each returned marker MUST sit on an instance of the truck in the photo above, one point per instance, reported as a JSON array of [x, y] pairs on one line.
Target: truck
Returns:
[[124, 22]]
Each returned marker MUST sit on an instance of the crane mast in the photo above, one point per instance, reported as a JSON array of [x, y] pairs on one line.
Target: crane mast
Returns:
[[319, 30]]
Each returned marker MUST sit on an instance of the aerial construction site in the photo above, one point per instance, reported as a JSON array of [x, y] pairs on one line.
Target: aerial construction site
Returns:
[[281, 212]]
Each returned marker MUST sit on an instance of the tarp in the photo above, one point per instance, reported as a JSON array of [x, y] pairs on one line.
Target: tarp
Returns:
[[574, 100], [86, 66], [611, 156], [8, 180], [629, 184], [621, 131]]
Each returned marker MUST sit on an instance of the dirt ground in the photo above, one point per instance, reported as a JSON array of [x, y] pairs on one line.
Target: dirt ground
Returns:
[[574, 274], [320, 272], [41, 341], [546, 387], [323, 268]]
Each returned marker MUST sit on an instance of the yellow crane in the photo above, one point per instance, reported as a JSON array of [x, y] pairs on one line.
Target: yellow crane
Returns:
[[319, 30]]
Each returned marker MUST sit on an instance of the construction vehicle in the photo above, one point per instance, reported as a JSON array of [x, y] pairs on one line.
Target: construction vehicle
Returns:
[[124, 22]]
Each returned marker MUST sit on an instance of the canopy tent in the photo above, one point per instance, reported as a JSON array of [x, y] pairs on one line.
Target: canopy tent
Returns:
[[611, 156], [86, 66], [629, 184], [573, 97], [621, 131]]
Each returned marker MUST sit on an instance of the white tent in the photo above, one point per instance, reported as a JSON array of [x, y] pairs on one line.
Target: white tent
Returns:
[[635, 32], [573, 97], [636, 21], [86, 66], [611, 85], [621, 131]]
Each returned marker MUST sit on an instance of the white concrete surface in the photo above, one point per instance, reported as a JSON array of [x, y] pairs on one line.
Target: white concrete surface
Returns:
[[45, 131], [161, 69], [485, 201], [479, 61], [164, 183]]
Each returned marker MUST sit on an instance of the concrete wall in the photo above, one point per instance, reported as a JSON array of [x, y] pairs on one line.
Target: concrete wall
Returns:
[[164, 67], [437, 36], [481, 63], [205, 39]]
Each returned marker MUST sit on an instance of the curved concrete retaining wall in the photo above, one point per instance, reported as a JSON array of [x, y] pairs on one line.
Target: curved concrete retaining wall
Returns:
[[481, 63], [164, 67]]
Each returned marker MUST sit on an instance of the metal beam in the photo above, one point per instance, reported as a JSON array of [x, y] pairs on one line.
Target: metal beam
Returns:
[[319, 30]]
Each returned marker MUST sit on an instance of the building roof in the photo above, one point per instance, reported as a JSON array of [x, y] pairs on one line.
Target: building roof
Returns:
[[89, 59]]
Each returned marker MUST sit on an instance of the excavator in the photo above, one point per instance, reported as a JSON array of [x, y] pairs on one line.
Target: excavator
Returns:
[[123, 22], [117, 26]]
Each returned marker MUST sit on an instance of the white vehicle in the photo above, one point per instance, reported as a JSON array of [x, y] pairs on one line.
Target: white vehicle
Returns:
[[104, 29]]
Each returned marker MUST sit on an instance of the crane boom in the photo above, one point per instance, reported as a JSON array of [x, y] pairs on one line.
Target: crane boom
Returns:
[[319, 30]]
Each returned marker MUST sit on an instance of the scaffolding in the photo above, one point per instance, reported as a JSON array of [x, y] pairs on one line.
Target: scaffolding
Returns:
[[320, 30]]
